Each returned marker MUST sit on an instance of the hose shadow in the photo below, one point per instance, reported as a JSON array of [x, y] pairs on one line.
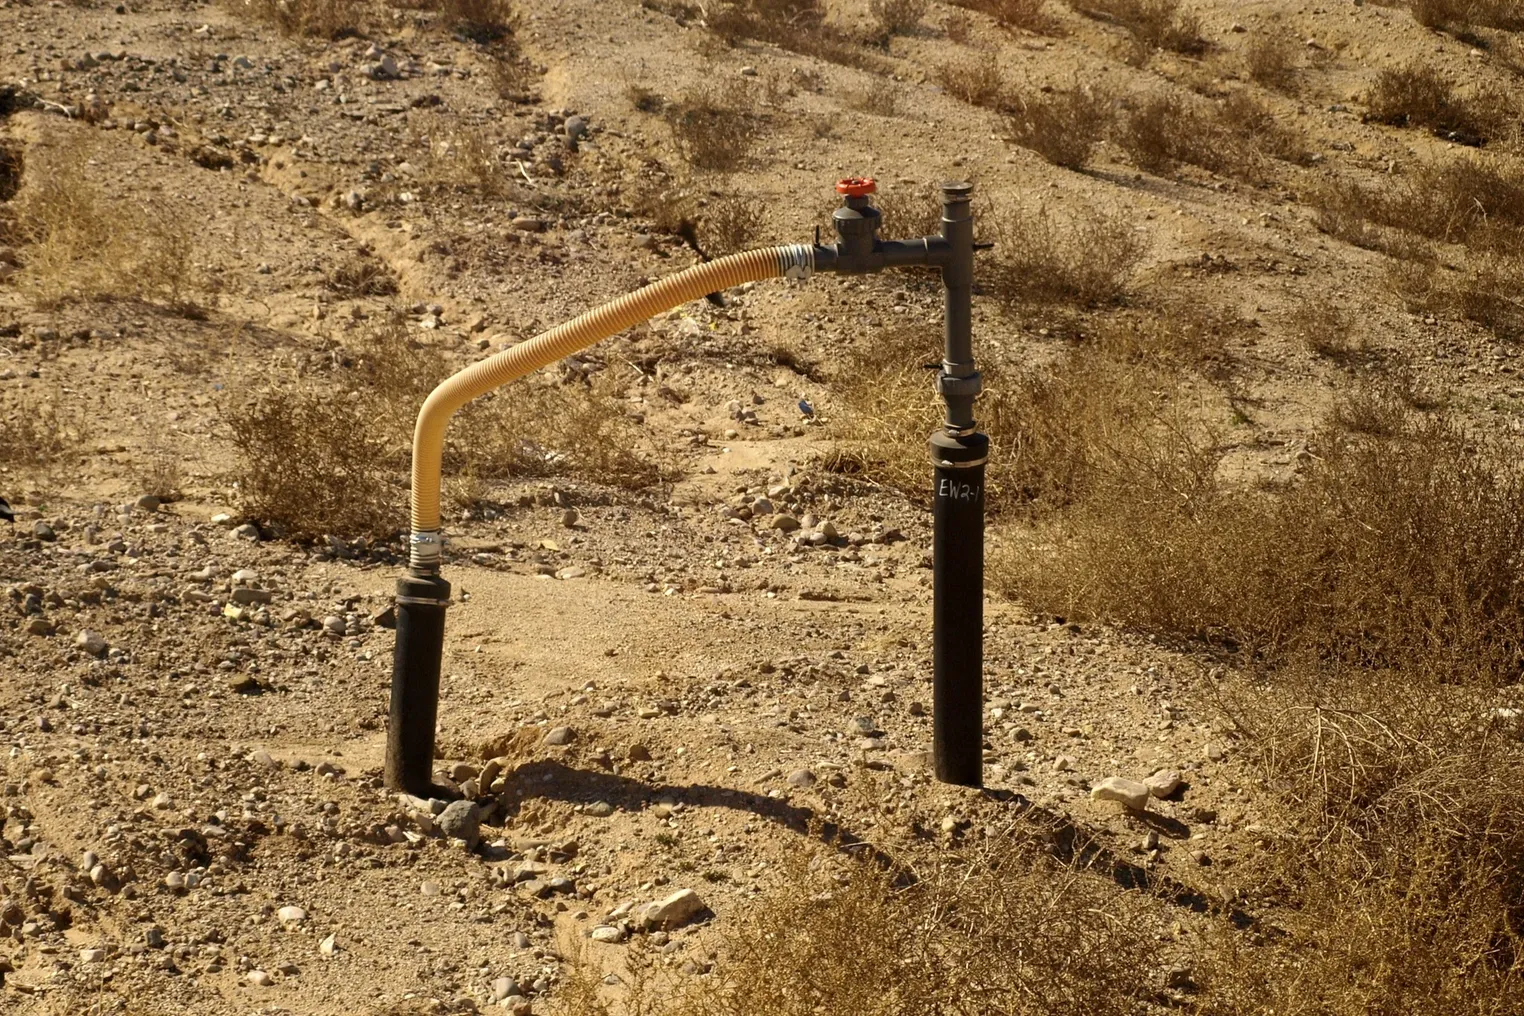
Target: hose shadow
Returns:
[[546, 778], [1065, 839]]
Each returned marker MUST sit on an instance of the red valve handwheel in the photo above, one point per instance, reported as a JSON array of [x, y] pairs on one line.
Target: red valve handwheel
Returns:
[[856, 186]]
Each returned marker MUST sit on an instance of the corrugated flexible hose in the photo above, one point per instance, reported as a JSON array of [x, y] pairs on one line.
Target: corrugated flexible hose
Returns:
[[795, 261]]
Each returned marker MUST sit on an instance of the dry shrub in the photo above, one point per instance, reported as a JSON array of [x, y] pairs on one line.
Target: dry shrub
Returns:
[[1244, 115], [731, 223], [1030, 15], [1180, 331], [1418, 95], [909, 211], [976, 80], [1486, 288], [322, 19], [1393, 550], [1155, 24], [1063, 126], [1164, 131], [310, 462], [78, 243], [462, 158], [481, 21], [36, 431], [1326, 328], [889, 408], [1477, 200], [1084, 259], [333, 459], [798, 25], [959, 28], [1457, 14], [898, 17], [360, 276], [714, 126], [1272, 60]]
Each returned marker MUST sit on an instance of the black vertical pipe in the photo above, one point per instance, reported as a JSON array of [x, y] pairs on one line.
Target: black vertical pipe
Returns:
[[958, 455], [958, 608], [421, 602]]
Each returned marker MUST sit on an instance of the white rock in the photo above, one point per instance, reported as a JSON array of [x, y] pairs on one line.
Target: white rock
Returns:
[[1129, 793], [91, 643], [329, 945], [92, 955], [607, 933], [670, 912], [291, 915], [260, 979], [1164, 783]]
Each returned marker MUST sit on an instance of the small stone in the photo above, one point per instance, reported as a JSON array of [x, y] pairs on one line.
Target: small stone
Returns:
[[247, 531], [329, 945], [599, 809], [570, 517], [147, 502], [784, 523], [260, 979], [802, 778], [1215, 753], [291, 915], [668, 913], [39, 626], [91, 643], [1164, 783], [607, 933], [430, 888], [639, 753], [560, 735], [862, 725], [1063, 764], [92, 955], [461, 820], [245, 595], [528, 224], [1129, 793], [503, 987]]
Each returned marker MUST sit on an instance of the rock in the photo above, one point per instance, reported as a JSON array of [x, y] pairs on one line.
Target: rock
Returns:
[[801, 778], [429, 888], [260, 979], [1215, 753], [862, 726], [333, 624], [92, 955], [329, 945], [245, 595], [291, 915], [560, 735], [91, 643], [147, 502], [528, 224], [503, 987], [1164, 783], [576, 129], [43, 531], [599, 809], [1063, 764], [667, 914], [639, 753], [1129, 793], [461, 820], [247, 531], [570, 517], [607, 933], [784, 523], [39, 626]]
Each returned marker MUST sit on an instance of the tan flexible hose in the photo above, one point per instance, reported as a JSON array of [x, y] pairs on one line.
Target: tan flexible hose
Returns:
[[793, 261]]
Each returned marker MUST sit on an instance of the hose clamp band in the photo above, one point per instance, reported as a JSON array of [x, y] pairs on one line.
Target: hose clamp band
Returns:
[[797, 261], [423, 550], [945, 464]]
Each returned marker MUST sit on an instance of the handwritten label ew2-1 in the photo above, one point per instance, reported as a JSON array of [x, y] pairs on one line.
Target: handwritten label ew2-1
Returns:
[[958, 491]]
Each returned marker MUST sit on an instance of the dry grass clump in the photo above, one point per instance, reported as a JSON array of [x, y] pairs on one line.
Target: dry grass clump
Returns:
[[1326, 329], [731, 223], [1030, 15], [1084, 259], [1164, 131], [481, 21], [78, 243], [1419, 96], [1178, 331], [1273, 60], [1475, 200], [898, 17], [322, 19], [462, 158], [1486, 288], [360, 276], [1455, 14], [976, 80], [798, 25], [1393, 550], [1063, 126], [1155, 24], [36, 432], [909, 211], [714, 126], [333, 459]]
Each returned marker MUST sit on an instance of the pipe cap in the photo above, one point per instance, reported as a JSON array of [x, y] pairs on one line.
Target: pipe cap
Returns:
[[856, 186]]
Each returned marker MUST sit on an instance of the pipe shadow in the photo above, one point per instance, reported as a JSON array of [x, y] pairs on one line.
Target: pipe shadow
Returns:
[[1065, 839]]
